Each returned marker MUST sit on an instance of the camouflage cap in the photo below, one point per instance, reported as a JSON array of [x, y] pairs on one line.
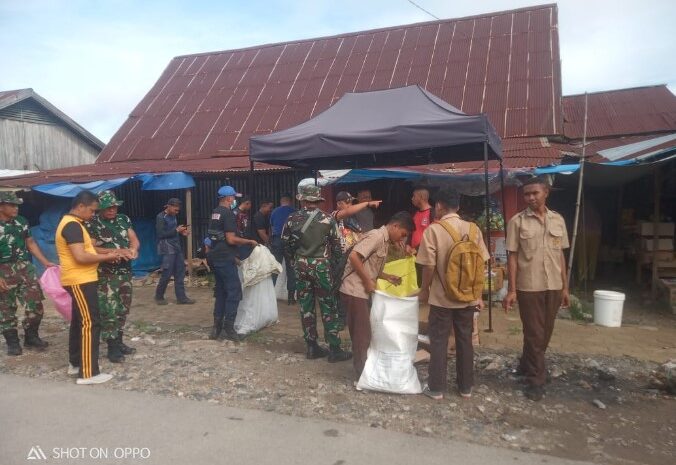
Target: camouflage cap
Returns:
[[10, 197], [107, 199], [310, 193]]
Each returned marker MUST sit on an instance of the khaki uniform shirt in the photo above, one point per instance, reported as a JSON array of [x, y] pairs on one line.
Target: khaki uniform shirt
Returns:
[[374, 246], [434, 248], [538, 245]]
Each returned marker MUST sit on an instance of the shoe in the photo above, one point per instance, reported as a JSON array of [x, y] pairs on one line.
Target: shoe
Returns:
[[434, 395], [336, 354], [292, 298], [162, 301], [73, 370], [114, 353], [186, 301], [98, 379], [229, 332], [216, 330], [315, 351], [32, 340], [534, 393], [465, 394], [124, 348], [13, 344]]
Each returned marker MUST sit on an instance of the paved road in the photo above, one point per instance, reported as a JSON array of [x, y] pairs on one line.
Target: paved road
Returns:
[[63, 423]]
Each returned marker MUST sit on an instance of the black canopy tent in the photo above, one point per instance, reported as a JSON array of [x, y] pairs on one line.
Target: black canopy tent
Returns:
[[405, 126]]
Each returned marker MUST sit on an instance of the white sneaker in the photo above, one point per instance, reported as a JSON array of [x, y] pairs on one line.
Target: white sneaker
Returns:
[[73, 370], [98, 379]]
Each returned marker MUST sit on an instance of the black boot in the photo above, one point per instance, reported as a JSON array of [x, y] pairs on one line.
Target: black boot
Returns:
[[13, 344], [114, 353], [314, 351], [292, 298], [124, 348], [336, 354], [216, 330], [229, 332], [32, 340]]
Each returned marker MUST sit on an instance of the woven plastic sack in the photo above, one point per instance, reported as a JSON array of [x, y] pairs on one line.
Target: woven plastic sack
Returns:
[[259, 265], [258, 307], [405, 269], [280, 285], [50, 282], [394, 340]]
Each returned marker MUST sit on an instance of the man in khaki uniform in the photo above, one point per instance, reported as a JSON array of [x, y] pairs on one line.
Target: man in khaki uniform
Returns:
[[364, 267], [445, 314], [536, 238]]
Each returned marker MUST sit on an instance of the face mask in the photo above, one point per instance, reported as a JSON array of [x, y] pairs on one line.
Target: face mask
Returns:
[[234, 204]]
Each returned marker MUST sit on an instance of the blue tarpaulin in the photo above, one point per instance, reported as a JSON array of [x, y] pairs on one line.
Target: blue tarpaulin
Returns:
[[150, 182]]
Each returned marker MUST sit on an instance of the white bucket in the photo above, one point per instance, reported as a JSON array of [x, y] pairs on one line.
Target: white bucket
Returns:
[[608, 308]]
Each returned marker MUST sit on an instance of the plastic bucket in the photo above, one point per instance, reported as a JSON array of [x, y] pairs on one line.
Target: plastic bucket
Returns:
[[608, 308]]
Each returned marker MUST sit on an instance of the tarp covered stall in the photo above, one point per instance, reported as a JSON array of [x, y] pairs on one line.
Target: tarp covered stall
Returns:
[[393, 127], [148, 259]]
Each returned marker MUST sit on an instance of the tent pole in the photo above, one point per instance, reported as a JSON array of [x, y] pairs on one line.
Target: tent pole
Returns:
[[316, 175], [502, 195], [488, 240], [656, 221], [579, 193], [188, 214]]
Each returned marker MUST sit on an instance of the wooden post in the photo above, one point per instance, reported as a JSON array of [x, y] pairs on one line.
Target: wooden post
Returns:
[[488, 239], [656, 222], [188, 215]]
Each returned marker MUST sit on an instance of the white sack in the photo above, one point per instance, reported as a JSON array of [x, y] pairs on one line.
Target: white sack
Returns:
[[258, 266], [258, 307], [280, 285], [394, 340]]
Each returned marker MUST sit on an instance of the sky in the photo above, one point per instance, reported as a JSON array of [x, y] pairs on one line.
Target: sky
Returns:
[[95, 60]]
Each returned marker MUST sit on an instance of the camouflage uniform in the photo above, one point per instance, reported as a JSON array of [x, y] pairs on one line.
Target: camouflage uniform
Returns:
[[313, 256], [17, 269], [115, 288]]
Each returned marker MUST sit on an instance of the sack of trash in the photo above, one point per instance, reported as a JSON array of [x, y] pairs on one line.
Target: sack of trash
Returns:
[[258, 307], [258, 266], [394, 340]]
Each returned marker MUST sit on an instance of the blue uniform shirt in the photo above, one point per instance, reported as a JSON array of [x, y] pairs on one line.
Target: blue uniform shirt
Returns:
[[278, 218]]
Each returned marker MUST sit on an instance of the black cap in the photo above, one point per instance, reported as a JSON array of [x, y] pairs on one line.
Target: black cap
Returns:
[[174, 202]]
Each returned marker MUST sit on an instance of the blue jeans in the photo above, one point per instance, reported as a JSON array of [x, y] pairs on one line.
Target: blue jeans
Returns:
[[172, 265], [228, 290], [277, 249]]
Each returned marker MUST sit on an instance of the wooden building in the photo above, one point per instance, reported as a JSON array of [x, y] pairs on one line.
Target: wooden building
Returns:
[[37, 136]]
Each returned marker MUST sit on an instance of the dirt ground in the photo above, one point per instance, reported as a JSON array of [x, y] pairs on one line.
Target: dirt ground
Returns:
[[630, 422]]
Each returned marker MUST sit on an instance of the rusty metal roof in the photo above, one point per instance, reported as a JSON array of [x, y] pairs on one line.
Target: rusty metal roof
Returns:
[[624, 112], [206, 106], [100, 171]]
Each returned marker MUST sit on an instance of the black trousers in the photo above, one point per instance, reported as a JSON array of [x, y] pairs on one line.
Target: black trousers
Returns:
[[85, 329]]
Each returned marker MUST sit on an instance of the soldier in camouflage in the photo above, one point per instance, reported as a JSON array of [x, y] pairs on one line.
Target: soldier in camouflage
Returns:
[[112, 230], [18, 281], [311, 243]]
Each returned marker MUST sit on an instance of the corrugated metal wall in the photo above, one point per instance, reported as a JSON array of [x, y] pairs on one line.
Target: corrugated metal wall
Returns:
[[267, 185]]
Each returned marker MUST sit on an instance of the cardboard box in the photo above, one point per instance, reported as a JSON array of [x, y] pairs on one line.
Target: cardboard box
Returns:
[[645, 228], [662, 244]]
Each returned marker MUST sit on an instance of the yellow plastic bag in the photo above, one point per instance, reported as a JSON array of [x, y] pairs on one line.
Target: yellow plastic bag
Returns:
[[405, 269]]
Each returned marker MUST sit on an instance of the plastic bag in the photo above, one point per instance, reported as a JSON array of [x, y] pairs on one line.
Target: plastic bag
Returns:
[[280, 285], [258, 266], [394, 340], [404, 268], [258, 307], [50, 282]]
